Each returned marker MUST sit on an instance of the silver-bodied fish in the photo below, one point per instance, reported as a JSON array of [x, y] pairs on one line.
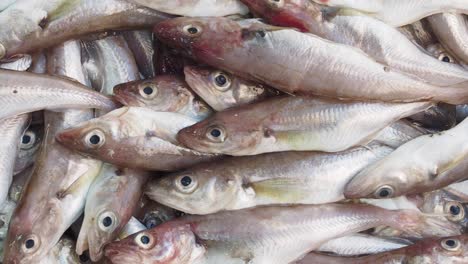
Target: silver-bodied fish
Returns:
[[196, 8], [141, 44]]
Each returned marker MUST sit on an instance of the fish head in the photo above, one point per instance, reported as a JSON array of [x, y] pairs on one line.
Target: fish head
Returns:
[[99, 228], [168, 243], [198, 191], [202, 38], [446, 250], [300, 14], [228, 132], [439, 52], [97, 137]]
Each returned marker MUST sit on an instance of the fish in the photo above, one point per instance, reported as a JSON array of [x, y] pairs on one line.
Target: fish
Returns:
[[273, 234], [439, 52], [104, 214], [452, 31], [24, 92], [196, 8], [134, 137], [152, 214], [12, 129], [39, 63], [21, 64], [399, 133], [294, 123], [420, 165], [71, 19], [167, 61], [133, 226], [306, 65], [420, 33], [140, 43], [380, 41], [62, 253], [274, 178], [30, 143], [461, 112], [398, 13], [166, 93], [222, 90], [434, 250], [55, 194], [109, 62], [362, 244], [439, 117]]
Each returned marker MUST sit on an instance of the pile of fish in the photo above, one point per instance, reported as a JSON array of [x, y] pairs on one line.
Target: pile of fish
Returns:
[[234, 131]]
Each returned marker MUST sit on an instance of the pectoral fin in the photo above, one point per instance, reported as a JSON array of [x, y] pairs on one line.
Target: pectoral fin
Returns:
[[285, 190]]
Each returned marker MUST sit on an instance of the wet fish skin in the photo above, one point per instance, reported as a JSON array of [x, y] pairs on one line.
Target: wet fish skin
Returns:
[[326, 69], [439, 117], [166, 93], [135, 137], [112, 188], [435, 250], [399, 12], [402, 173], [452, 31], [21, 64], [293, 123], [141, 44], [254, 234], [5, 4], [380, 41], [11, 129], [399, 133], [23, 92], [112, 63], [420, 32], [77, 18], [30, 143], [196, 8], [442, 54], [62, 253], [362, 244], [274, 178], [133, 226], [222, 90]]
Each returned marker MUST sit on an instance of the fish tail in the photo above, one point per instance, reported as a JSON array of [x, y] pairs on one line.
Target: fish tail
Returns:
[[421, 225]]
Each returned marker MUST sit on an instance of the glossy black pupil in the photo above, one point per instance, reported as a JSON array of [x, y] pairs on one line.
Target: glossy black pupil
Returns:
[[221, 80], [455, 210], [95, 139], [192, 30], [384, 193], [29, 243], [446, 59], [148, 90], [26, 139], [450, 243], [145, 240], [84, 257], [186, 181], [215, 133], [107, 221]]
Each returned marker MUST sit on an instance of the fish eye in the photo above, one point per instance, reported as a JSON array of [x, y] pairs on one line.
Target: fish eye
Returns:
[[95, 139], [84, 257], [384, 192], [192, 30], [222, 81], [28, 140], [144, 240], [276, 3], [148, 91], [107, 221], [186, 184], [30, 244], [445, 58], [451, 244], [216, 134], [455, 211]]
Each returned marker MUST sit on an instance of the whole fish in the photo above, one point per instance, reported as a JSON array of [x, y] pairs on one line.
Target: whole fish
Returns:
[[380, 41], [23, 92], [196, 8], [11, 129], [141, 44], [222, 90], [134, 137], [55, 194], [30, 142], [307, 64], [62, 253], [399, 12], [104, 214], [417, 166], [109, 62], [166, 93], [72, 19], [274, 178], [452, 31], [362, 244], [399, 133], [441, 250], [21, 64], [294, 123], [273, 234]]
